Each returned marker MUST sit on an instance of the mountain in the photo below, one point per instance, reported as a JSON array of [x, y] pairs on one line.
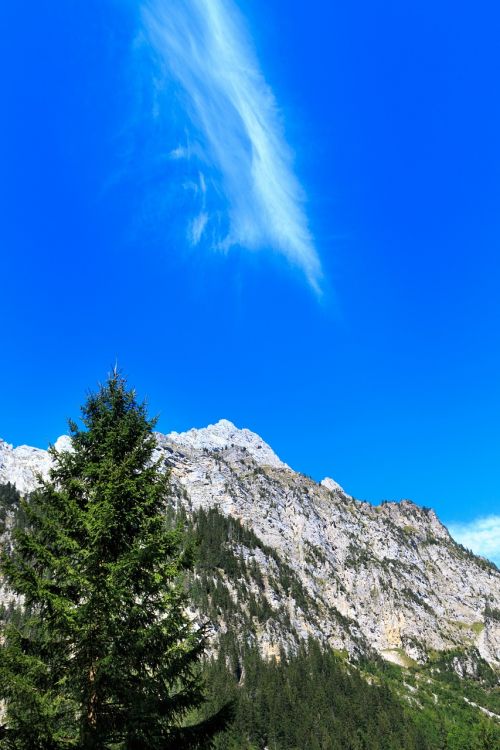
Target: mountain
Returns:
[[292, 559]]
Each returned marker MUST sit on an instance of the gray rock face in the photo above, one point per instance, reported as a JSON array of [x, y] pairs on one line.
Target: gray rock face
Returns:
[[385, 577], [21, 465]]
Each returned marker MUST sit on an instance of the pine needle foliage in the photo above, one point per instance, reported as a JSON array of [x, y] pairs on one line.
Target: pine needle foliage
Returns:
[[105, 656]]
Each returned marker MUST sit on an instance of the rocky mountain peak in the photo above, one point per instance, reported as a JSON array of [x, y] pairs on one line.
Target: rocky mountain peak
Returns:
[[223, 435]]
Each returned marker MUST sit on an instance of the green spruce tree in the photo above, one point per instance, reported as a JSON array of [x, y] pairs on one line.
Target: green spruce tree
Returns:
[[106, 656]]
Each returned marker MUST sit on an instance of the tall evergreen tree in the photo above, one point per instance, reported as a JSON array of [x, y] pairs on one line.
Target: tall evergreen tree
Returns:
[[106, 656]]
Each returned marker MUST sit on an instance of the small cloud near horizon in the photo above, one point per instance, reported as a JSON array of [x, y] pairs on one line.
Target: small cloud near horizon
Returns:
[[204, 47], [481, 535]]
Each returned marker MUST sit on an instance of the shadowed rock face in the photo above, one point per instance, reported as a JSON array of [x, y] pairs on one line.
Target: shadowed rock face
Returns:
[[387, 577]]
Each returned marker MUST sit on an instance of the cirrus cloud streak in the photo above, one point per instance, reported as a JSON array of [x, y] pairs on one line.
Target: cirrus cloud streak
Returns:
[[204, 47]]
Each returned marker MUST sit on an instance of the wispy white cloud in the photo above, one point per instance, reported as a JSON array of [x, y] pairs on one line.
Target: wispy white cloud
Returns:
[[482, 536], [204, 47], [197, 227], [181, 152]]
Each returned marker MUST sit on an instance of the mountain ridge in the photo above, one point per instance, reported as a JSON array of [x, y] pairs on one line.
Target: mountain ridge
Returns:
[[387, 578]]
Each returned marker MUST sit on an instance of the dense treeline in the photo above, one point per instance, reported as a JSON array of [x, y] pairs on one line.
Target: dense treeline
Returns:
[[9, 502], [9, 496], [309, 700], [315, 700]]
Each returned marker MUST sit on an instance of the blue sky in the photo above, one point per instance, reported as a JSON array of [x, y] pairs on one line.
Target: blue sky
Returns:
[[282, 214]]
